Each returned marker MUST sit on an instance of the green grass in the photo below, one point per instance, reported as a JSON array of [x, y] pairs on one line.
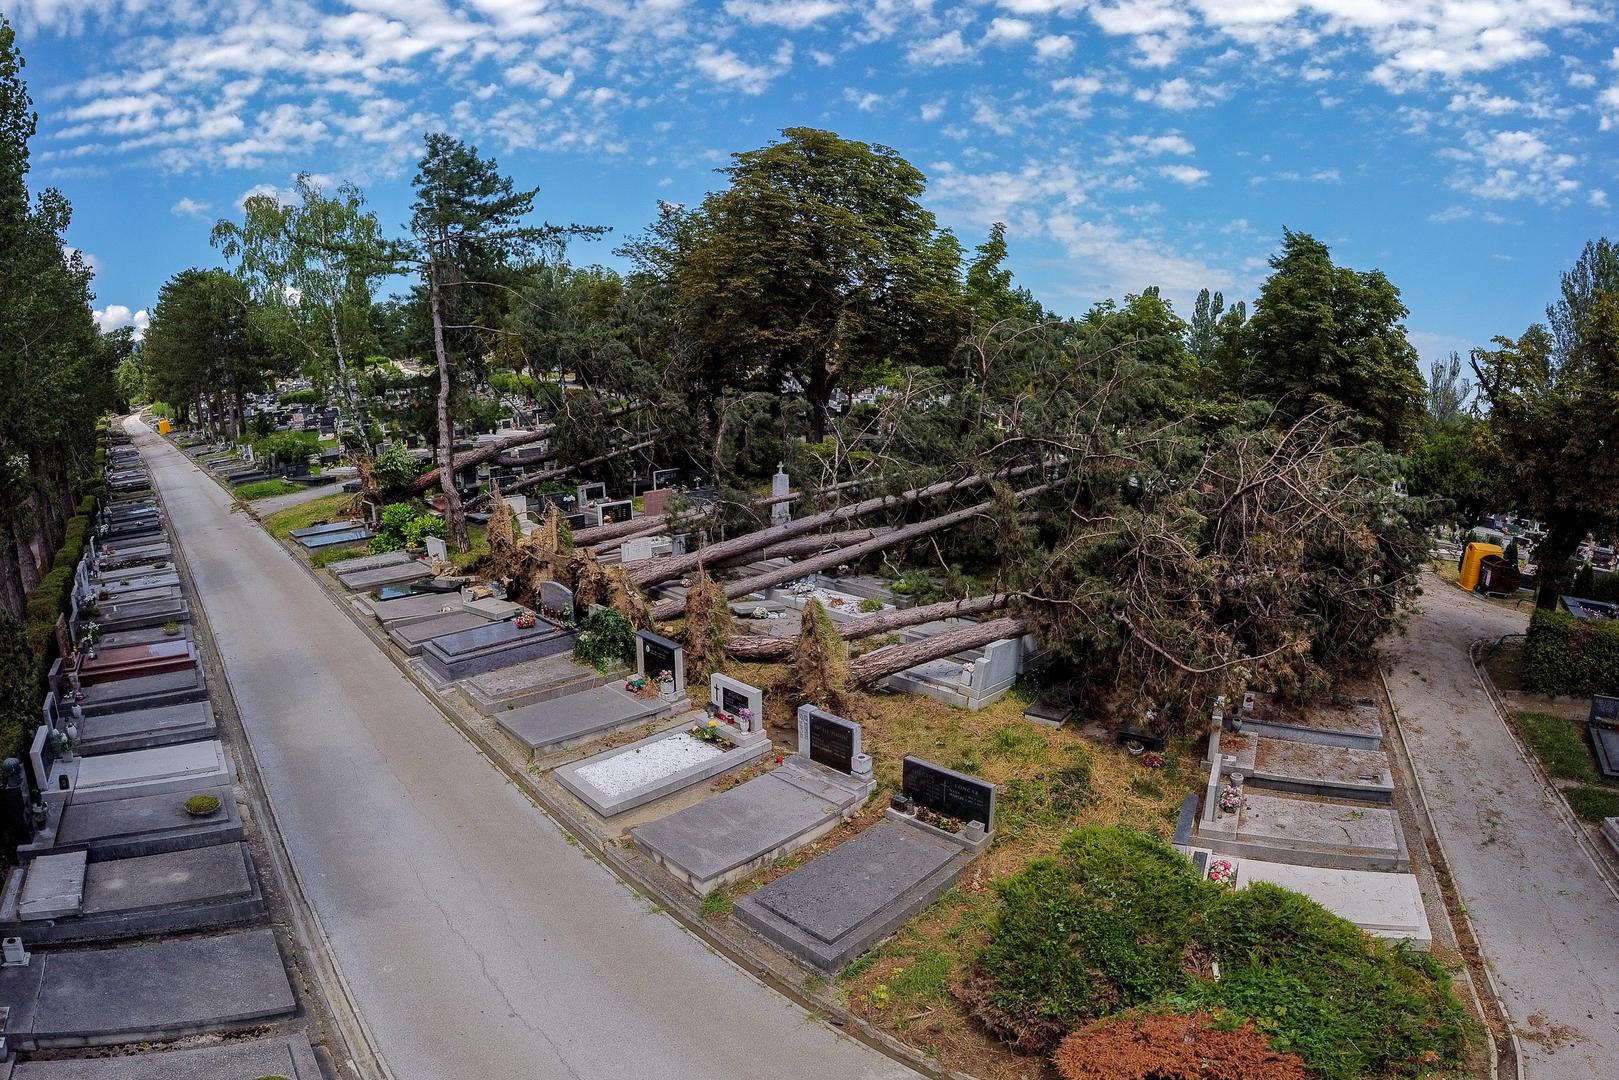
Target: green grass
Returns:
[[327, 508], [322, 557], [1558, 745], [716, 905], [264, 489], [924, 982], [1593, 803]]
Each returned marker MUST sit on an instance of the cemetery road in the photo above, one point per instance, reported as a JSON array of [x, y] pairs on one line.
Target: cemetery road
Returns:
[[476, 941], [1545, 918]]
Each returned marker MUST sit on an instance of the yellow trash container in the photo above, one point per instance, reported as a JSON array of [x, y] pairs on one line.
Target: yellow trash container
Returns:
[[164, 427], [1470, 560]]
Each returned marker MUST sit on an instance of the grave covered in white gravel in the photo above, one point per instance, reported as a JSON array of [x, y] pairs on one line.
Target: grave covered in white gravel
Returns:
[[618, 780]]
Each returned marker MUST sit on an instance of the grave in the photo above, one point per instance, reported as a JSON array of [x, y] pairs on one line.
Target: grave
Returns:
[[635, 550], [130, 694], [148, 992], [348, 535], [1049, 714], [659, 765], [63, 898], [1385, 905], [951, 804], [835, 907], [322, 530], [585, 494], [125, 828], [287, 1056], [414, 635], [1358, 725], [665, 478], [609, 513], [156, 770], [655, 654], [370, 562], [735, 702], [1603, 724], [393, 574], [452, 657], [139, 729], [657, 501], [495, 693], [968, 680], [726, 837], [404, 610], [134, 661], [1309, 832], [1311, 768], [115, 616], [137, 581], [556, 600]]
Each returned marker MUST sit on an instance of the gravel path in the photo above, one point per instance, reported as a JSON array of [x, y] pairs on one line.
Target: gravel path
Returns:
[[476, 941], [1546, 920]]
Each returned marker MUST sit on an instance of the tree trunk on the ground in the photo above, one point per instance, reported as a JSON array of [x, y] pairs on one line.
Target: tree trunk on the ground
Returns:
[[454, 513], [805, 546], [758, 647], [481, 455], [652, 524], [1552, 557], [651, 572], [815, 564], [872, 668]]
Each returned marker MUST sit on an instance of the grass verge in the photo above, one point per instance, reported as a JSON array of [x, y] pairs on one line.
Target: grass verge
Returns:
[[264, 489], [314, 512], [1559, 744], [1593, 803]]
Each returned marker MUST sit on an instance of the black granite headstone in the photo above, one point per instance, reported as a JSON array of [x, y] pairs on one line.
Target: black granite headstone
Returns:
[[616, 511], [731, 702], [832, 741], [946, 791]]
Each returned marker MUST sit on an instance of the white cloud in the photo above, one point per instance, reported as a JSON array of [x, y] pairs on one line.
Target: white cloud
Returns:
[[932, 110], [1054, 47], [1003, 29], [946, 48], [730, 70], [1179, 94], [1184, 174], [1162, 144], [115, 316], [189, 207], [864, 100], [787, 14]]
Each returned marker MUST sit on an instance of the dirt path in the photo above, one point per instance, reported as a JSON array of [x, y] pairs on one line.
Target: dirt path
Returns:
[[1546, 920]]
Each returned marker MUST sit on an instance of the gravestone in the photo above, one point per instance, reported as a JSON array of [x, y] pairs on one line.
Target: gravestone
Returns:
[[831, 741], [437, 550], [64, 640], [51, 711], [1605, 710], [636, 550], [518, 503], [655, 653], [41, 756], [945, 791], [657, 501], [589, 493], [734, 697], [608, 513], [579, 520], [780, 485], [555, 598], [665, 478]]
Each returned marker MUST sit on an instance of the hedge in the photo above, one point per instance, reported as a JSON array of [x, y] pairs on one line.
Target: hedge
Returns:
[[1565, 655]]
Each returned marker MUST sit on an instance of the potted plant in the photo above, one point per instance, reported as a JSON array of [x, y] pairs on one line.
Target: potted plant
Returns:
[[171, 628], [666, 683], [202, 805], [1223, 872], [1230, 799]]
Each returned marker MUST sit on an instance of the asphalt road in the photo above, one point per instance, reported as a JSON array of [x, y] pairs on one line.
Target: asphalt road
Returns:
[[1546, 921], [477, 942]]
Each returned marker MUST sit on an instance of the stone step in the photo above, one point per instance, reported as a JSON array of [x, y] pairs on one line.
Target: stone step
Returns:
[[287, 1056]]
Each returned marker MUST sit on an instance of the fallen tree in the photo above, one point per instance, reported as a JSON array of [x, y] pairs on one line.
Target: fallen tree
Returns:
[[649, 572], [596, 536], [482, 455], [563, 470], [758, 647], [668, 609], [872, 668]]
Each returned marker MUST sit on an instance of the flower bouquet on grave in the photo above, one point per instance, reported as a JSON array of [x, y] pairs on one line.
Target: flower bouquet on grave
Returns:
[[1223, 872], [745, 717], [635, 684], [937, 820], [666, 681], [1230, 799], [1152, 760], [527, 621], [760, 613], [709, 732]]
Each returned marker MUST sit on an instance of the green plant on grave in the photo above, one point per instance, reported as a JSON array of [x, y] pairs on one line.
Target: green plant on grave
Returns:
[[870, 604], [606, 640], [403, 525], [171, 628], [202, 805]]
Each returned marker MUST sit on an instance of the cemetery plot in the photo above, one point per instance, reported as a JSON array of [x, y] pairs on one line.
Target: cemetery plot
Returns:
[[413, 636], [1358, 725], [1310, 832], [369, 562], [348, 535], [1386, 905], [179, 768], [152, 991], [138, 692], [841, 606], [289, 1057], [577, 718], [394, 574], [133, 661], [832, 909], [138, 729], [658, 657], [404, 610], [124, 828], [634, 775], [117, 615], [1339, 772], [455, 656], [62, 898], [507, 689]]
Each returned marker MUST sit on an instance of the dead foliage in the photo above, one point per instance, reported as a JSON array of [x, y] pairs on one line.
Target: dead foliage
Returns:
[[708, 625], [610, 587], [1172, 1046], [818, 673]]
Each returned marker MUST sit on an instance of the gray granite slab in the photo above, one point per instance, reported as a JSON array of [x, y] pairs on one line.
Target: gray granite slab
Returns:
[[567, 721], [146, 692], [516, 685], [370, 562], [393, 574], [247, 1059], [53, 886], [122, 828], [332, 539], [150, 991], [393, 614], [830, 896], [174, 877], [450, 657], [412, 636], [135, 614], [139, 728]]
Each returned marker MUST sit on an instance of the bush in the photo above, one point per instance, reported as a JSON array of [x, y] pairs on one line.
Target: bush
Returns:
[[1117, 919], [287, 447], [606, 640], [1167, 1046], [1565, 655], [405, 526], [300, 397]]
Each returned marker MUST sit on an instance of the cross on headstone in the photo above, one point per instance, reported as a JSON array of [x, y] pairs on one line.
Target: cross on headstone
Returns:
[[738, 700]]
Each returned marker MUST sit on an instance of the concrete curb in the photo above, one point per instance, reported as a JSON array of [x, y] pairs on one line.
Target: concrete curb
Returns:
[[773, 971], [362, 1055], [1495, 994]]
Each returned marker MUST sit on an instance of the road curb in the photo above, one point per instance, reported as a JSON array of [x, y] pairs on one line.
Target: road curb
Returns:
[[1516, 1064]]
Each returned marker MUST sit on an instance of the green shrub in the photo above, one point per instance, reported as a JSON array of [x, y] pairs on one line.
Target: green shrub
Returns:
[[606, 640], [395, 468], [403, 525], [1565, 655], [300, 397], [287, 446], [1117, 919], [871, 603]]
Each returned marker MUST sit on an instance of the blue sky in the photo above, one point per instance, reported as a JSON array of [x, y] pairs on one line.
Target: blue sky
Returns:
[[1465, 147]]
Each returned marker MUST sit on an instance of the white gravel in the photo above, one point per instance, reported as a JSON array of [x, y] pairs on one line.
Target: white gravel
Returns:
[[626, 772]]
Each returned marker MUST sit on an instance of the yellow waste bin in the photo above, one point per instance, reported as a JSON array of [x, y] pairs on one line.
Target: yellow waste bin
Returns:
[[164, 427], [1470, 560]]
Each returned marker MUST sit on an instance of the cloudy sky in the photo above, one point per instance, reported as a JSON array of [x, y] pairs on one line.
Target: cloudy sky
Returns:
[[1465, 147]]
